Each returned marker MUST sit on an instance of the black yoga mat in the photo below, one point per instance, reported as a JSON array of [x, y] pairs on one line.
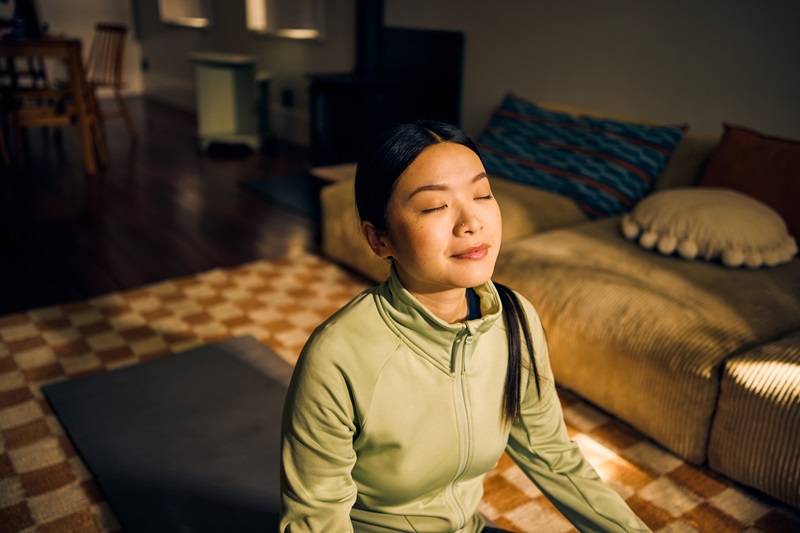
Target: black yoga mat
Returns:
[[186, 443]]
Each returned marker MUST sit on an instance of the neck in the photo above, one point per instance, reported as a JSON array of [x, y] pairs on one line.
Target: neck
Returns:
[[450, 306]]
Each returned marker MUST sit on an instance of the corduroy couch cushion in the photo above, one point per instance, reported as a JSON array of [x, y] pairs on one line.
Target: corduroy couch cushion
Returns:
[[754, 438], [643, 335]]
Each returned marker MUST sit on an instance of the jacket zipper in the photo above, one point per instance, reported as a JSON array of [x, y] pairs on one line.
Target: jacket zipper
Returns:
[[463, 419]]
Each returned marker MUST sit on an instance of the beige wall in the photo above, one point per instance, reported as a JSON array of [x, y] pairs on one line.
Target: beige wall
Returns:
[[170, 76], [703, 62]]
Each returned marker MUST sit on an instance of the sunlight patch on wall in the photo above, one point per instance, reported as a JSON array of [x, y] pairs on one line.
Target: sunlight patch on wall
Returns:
[[191, 13], [292, 19]]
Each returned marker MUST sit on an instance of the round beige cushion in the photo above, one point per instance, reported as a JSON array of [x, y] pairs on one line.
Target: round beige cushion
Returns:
[[712, 224]]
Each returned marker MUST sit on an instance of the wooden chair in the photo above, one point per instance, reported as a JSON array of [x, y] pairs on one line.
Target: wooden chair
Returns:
[[104, 67], [71, 103], [33, 74], [55, 107]]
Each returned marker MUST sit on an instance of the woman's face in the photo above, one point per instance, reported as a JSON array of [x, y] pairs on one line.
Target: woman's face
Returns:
[[444, 225]]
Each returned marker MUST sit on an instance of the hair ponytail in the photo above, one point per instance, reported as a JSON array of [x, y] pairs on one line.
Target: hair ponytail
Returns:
[[515, 319]]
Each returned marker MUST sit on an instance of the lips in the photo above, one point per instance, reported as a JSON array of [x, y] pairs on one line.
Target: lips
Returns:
[[473, 252]]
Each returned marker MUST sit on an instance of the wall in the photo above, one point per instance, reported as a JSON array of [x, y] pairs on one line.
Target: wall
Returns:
[[170, 74], [664, 60], [672, 60]]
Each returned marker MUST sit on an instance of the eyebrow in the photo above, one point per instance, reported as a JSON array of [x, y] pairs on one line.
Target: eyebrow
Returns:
[[436, 187]]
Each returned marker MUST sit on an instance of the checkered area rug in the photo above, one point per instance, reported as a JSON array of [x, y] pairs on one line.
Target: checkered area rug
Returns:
[[44, 486]]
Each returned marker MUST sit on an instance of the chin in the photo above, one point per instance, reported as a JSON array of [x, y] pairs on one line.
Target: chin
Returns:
[[476, 277]]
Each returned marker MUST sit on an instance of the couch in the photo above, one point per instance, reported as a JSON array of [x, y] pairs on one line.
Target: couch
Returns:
[[701, 356]]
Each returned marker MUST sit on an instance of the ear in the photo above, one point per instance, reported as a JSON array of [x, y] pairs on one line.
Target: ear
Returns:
[[376, 240]]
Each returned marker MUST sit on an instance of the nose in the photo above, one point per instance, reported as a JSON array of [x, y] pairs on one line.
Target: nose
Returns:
[[468, 221]]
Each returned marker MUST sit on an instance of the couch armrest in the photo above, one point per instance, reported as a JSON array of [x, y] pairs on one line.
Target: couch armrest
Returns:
[[341, 233]]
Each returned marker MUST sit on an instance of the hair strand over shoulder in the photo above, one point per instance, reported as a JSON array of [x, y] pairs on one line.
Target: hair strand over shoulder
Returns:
[[516, 321]]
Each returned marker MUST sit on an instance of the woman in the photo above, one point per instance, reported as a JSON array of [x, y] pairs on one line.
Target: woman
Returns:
[[403, 400]]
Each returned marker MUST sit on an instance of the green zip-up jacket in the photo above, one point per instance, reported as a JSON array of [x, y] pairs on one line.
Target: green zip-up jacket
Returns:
[[393, 418]]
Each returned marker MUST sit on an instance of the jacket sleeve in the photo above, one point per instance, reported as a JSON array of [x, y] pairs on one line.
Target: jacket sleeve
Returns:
[[540, 446], [317, 456]]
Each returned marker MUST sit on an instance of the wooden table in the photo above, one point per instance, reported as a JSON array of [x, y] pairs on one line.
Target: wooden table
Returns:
[[69, 51]]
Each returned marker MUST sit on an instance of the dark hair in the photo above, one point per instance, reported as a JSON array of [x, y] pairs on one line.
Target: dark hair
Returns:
[[376, 174], [516, 320], [394, 150]]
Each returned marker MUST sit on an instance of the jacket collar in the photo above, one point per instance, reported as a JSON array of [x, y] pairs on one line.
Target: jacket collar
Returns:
[[424, 332]]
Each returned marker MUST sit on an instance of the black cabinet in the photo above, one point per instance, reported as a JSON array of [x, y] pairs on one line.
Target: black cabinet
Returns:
[[419, 76], [347, 111]]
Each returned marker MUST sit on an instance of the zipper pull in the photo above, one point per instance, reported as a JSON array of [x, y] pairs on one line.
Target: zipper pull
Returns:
[[467, 354]]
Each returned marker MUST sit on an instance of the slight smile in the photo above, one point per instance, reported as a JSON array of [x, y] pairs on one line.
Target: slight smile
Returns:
[[473, 252]]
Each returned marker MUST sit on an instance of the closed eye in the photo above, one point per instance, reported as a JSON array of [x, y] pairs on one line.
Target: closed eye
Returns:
[[487, 197], [434, 209]]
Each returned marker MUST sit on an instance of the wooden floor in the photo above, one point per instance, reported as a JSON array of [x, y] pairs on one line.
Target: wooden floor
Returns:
[[159, 209]]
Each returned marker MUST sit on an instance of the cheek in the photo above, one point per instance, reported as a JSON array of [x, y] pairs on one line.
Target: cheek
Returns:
[[419, 239], [497, 220]]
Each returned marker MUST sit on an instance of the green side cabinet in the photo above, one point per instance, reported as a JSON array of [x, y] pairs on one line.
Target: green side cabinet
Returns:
[[232, 100]]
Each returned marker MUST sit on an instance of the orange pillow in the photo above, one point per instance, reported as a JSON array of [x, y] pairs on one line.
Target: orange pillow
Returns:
[[762, 166]]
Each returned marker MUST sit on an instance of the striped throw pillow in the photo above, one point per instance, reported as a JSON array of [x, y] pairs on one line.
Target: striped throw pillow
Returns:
[[606, 166]]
